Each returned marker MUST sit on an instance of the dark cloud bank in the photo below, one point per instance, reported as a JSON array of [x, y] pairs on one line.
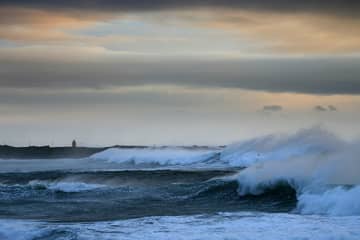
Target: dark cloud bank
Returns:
[[336, 76], [347, 7], [320, 108], [272, 108]]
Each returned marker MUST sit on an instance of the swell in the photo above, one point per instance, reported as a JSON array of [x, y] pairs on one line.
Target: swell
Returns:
[[308, 172], [280, 191], [241, 225], [154, 193], [115, 177]]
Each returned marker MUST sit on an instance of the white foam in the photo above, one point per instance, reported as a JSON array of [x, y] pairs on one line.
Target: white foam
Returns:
[[313, 141], [65, 186], [312, 161], [245, 225], [338, 201], [317, 172], [161, 156]]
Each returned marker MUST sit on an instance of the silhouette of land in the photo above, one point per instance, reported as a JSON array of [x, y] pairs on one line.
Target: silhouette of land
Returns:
[[47, 152]]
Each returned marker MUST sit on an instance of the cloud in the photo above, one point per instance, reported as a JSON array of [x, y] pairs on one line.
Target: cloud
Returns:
[[31, 25], [273, 26], [347, 7], [320, 108], [272, 108], [100, 69], [288, 32], [332, 108]]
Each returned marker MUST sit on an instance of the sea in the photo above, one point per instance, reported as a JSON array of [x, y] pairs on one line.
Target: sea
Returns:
[[304, 185]]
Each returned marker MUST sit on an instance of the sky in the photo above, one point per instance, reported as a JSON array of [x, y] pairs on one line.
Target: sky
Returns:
[[176, 72]]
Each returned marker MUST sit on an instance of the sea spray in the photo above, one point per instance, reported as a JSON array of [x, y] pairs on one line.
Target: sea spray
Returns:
[[307, 142], [160, 156], [319, 175]]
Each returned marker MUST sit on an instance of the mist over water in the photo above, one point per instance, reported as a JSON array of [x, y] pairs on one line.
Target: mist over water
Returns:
[[304, 178]]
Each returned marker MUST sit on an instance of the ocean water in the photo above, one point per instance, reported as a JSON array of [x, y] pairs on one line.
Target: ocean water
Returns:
[[300, 186]]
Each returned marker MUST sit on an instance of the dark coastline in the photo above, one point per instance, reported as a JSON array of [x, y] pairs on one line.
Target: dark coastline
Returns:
[[47, 152]]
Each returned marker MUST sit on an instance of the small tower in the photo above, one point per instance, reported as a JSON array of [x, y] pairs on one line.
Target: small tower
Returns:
[[73, 144]]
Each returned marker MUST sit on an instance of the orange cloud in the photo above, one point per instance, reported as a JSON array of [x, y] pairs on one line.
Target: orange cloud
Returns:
[[33, 25], [265, 31], [284, 32]]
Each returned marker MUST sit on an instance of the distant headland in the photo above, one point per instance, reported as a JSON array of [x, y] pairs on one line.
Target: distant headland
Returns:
[[73, 151], [48, 152]]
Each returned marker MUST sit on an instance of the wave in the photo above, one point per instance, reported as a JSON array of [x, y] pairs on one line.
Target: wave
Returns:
[[321, 168], [337, 201], [131, 194], [316, 163], [278, 198], [67, 187], [313, 171], [241, 225], [308, 142], [114, 178], [158, 156]]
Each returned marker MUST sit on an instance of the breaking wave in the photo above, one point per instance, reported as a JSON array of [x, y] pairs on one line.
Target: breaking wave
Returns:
[[309, 172], [309, 142], [337, 201], [321, 168], [158, 156]]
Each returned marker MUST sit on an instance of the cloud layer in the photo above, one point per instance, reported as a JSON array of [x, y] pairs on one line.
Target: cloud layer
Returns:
[[329, 6], [315, 76], [175, 71], [278, 26], [320, 108], [272, 108]]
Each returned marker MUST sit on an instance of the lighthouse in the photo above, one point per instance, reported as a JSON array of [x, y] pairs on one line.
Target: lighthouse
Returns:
[[73, 144]]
